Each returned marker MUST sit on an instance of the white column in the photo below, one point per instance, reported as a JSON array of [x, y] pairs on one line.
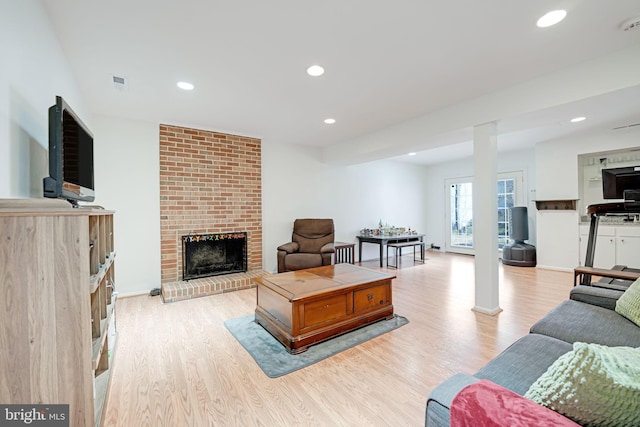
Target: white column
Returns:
[[485, 218]]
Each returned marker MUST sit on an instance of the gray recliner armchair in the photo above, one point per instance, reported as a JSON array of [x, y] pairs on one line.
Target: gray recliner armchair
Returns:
[[311, 245]]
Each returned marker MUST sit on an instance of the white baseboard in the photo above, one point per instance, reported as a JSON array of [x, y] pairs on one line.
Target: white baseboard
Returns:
[[133, 294], [550, 267], [491, 312]]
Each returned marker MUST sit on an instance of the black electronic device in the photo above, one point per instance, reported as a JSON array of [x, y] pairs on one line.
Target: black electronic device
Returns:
[[616, 180], [70, 156], [632, 199]]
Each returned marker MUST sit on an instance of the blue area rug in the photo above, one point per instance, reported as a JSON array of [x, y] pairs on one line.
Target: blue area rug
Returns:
[[275, 361]]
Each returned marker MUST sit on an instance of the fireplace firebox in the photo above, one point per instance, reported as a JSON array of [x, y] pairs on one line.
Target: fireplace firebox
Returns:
[[213, 254]]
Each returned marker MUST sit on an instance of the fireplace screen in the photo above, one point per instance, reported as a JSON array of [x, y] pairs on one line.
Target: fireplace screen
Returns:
[[213, 254]]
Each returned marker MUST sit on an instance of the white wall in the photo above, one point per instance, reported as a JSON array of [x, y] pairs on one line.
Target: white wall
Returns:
[[296, 184], [436, 175], [557, 178], [127, 180], [34, 70]]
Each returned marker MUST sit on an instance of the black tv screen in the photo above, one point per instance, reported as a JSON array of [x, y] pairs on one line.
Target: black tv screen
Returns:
[[70, 156], [616, 180]]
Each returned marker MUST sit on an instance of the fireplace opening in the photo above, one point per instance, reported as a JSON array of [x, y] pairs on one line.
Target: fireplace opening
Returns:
[[213, 254]]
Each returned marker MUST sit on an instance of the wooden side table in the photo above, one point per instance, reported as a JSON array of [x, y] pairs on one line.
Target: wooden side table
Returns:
[[345, 252]]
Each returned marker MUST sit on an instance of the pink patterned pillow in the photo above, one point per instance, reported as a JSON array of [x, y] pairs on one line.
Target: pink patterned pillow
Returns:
[[489, 405]]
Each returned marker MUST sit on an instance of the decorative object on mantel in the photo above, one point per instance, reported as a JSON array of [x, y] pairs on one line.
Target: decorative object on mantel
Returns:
[[556, 205]]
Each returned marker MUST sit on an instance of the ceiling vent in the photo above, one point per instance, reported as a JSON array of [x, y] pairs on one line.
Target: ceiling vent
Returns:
[[631, 24], [119, 83]]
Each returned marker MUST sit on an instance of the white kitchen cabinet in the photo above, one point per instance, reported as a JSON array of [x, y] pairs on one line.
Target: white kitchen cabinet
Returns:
[[628, 246], [615, 245]]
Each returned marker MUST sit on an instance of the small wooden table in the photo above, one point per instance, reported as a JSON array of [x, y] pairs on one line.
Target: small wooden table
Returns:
[[304, 307], [344, 252]]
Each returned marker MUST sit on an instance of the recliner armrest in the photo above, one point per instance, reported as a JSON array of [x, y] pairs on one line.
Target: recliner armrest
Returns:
[[602, 297], [327, 249], [289, 248]]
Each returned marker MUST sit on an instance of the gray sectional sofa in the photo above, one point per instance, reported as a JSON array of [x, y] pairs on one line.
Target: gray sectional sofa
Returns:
[[588, 316]]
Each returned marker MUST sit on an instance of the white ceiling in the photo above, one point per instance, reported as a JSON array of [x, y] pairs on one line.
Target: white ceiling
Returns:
[[386, 62], [617, 111]]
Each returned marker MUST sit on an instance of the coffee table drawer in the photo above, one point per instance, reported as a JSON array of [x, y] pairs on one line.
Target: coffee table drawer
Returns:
[[324, 310], [371, 297]]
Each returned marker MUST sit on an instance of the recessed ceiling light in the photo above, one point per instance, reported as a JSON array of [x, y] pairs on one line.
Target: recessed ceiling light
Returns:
[[185, 85], [315, 71], [577, 119], [551, 18], [412, 154], [329, 121]]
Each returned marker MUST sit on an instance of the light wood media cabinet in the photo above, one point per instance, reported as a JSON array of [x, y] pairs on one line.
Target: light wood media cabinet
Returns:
[[57, 300]]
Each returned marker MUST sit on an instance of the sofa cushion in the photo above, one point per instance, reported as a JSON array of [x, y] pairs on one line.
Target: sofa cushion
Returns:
[[574, 321], [312, 233], [517, 367], [628, 305], [301, 261], [593, 385], [594, 295], [487, 404]]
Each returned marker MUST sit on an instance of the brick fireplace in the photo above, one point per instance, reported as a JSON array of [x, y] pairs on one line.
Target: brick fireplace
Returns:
[[210, 182], [205, 255]]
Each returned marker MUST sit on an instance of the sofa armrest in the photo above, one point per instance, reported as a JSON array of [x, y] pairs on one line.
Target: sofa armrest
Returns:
[[488, 404], [289, 248], [602, 297], [327, 249], [439, 401]]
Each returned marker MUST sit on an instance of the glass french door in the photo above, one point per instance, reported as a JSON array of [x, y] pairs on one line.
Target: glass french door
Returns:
[[459, 236], [460, 216], [506, 198]]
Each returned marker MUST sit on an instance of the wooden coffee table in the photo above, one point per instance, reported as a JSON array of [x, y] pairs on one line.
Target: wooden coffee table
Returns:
[[304, 307]]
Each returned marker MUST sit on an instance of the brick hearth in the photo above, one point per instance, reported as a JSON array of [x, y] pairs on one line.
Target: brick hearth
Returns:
[[178, 291]]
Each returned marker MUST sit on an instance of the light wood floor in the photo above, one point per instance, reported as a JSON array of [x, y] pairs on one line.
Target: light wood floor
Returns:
[[177, 365]]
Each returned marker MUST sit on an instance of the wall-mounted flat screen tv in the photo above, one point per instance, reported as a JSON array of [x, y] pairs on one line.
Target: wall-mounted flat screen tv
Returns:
[[70, 156], [616, 180]]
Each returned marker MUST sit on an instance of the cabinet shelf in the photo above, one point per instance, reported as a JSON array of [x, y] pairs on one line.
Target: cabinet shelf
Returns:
[[95, 279], [72, 246], [101, 386], [98, 345]]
